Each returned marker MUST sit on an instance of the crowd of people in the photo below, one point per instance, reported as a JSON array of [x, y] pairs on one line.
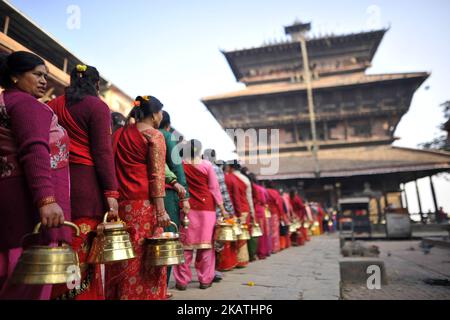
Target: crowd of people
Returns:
[[70, 159]]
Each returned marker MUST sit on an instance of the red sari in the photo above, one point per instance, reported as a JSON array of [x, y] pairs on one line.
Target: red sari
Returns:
[[238, 194], [300, 212], [260, 201], [140, 166], [276, 209], [92, 178]]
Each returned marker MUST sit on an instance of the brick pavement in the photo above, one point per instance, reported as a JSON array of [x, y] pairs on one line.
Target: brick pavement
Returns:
[[310, 272], [407, 267]]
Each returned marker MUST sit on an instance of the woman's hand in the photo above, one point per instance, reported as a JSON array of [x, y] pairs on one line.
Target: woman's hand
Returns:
[[186, 207], [181, 191], [113, 208], [52, 216], [163, 220]]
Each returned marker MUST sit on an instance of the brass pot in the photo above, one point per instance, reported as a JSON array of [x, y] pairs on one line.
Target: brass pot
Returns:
[[112, 243], [237, 230], [43, 265], [256, 231], [292, 228], [245, 235], [225, 232], [165, 250]]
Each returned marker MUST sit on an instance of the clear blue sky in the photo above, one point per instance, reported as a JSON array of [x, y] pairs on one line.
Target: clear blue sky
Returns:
[[170, 49]]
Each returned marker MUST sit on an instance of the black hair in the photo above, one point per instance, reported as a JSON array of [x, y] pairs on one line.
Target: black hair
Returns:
[[165, 121], [145, 107], [83, 82], [195, 147], [253, 178], [292, 193], [209, 154], [15, 64], [236, 165], [118, 121]]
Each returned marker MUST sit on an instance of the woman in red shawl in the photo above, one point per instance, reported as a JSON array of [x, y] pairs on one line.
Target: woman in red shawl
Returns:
[[140, 157], [87, 120], [275, 202], [238, 194], [300, 213]]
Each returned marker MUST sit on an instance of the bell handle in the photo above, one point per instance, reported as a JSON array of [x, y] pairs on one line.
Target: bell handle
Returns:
[[105, 219], [175, 225], [66, 223]]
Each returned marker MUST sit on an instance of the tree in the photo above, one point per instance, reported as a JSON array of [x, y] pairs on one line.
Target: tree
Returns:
[[443, 141]]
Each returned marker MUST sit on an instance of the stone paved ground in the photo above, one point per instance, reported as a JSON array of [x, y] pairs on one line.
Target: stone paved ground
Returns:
[[310, 272], [407, 267]]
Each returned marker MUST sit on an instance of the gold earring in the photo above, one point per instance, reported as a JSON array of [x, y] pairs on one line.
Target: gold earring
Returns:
[[15, 80]]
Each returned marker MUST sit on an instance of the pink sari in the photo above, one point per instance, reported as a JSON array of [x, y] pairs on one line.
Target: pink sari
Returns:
[[205, 194]]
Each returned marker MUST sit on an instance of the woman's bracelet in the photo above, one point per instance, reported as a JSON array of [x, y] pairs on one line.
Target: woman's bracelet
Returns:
[[160, 214], [112, 194], [46, 201]]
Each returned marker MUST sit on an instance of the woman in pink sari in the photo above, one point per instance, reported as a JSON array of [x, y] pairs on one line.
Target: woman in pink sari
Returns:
[[205, 196]]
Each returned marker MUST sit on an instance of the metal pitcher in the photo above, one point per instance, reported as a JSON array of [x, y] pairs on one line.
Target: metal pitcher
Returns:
[[256, 231], [237, 229], [293, 228], [165, 250], [245, 233], [112, 243], [42, 265], [225, 232]]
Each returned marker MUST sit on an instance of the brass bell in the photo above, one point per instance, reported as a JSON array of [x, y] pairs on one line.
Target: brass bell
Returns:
[[292, 228], [245, 235], [237, 229], [256, 231], [225, 232], [165, 250], [112, 243], [186, 222], [42, 265], [268, 213]]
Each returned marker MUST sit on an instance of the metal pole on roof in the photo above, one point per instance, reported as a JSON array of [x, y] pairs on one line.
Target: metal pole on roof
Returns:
[[312, 114]]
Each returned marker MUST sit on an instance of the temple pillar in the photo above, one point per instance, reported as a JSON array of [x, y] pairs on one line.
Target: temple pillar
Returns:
[[406, 205], [436, 208], [419, 201], [380, 212]]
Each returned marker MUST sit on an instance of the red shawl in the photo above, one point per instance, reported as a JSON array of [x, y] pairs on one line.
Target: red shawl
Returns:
[[201, 197], [80, 152], [140, 159]]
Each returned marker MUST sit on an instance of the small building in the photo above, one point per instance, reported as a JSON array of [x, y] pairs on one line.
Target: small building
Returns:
[[19, 33]]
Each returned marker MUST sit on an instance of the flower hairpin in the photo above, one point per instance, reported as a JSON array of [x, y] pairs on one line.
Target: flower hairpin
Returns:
[[137, 103], [146, 98], [81, 68]]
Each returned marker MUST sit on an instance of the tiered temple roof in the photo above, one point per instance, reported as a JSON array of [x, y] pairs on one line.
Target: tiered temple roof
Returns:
[[356, 161]]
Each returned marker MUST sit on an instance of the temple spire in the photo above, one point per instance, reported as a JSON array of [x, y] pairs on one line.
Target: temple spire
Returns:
[[297, 30]]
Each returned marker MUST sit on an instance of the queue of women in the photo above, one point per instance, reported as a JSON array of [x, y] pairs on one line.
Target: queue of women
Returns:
[[61, 161]]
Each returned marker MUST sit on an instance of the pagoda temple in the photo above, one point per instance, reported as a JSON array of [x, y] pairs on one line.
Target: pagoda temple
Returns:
[[356, 116]]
